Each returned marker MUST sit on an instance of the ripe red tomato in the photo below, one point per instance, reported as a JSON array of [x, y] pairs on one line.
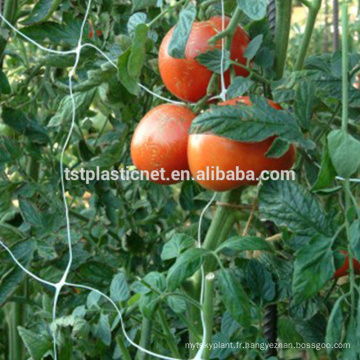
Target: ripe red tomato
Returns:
[[160, 140], [343, 269], [186, 78], [207, 150]]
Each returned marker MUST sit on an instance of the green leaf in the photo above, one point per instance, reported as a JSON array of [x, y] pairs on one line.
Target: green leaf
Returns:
[[103, 330], [336, 63], [185, 266], [234, 297], [182, 31], [30, 213], [37, 344], [178, 243], [23, 252], [64, 113], [254, 9], [260, 280], [138, 51], [119, 289], [177, 304], [289, 204], [344, 152], [129, 82], [66, 33], [250, 123], [334, 326], [327, 173], [278, 148], [304, 103], [239, 86], [245, 243], [42, 11], [143, 4], [11, 233], [355, 238], [253, 47], [352, 351], [314, 266], [4, 84], [22, 124], [135, 20], [212, 60], [154, 279]]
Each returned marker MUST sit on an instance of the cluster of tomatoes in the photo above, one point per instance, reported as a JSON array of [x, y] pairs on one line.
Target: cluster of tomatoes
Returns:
[[162, 140]]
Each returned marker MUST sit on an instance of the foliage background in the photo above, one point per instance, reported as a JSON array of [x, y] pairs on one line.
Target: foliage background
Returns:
[[119, 228]]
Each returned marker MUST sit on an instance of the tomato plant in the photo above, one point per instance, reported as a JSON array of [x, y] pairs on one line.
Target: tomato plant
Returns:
[[118, 268]]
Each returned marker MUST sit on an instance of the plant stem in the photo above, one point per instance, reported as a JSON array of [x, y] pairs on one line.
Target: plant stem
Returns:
[[158, 17], [282, 32], [229, 31], [124, 350], [221, 225], [253, 73], [9, 14], [208, 310], [145, 339], [345, 120], [169, 335], [314, 8]]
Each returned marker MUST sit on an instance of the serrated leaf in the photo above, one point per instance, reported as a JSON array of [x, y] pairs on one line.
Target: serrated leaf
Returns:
[[185, 266], [30, 213], [250, 123], [36, 343], [239, 86], [334, 326], [260, 280], [344, 150], [138, 51], [289, 204], [64, 113], [22, 251], [134, 21], [278, 148], [253, 47], [327, 173], [119, 289], [11, 233], [129, 82], [23, 124], [254, 9], [304, 103], [212, 59], [234, 298], [4, 84], [245, 243], [143, 4], [103, 330], [154, 279], [42, 11], [178, 243], [182, 31], [314, 266]]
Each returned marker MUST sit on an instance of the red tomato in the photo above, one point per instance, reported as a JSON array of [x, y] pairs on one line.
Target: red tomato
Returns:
[[343, 269], [160, 140], [186, 78], [207, 150]]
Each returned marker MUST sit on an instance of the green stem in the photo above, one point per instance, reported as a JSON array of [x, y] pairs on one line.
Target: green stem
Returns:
[[208, 309], [169, 335], [9, 14], [282, 32], [158, 17], [145, 339], [221, 225], [314, 8], [229, 31], [124, 350], [253, 73], [345, 120]]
